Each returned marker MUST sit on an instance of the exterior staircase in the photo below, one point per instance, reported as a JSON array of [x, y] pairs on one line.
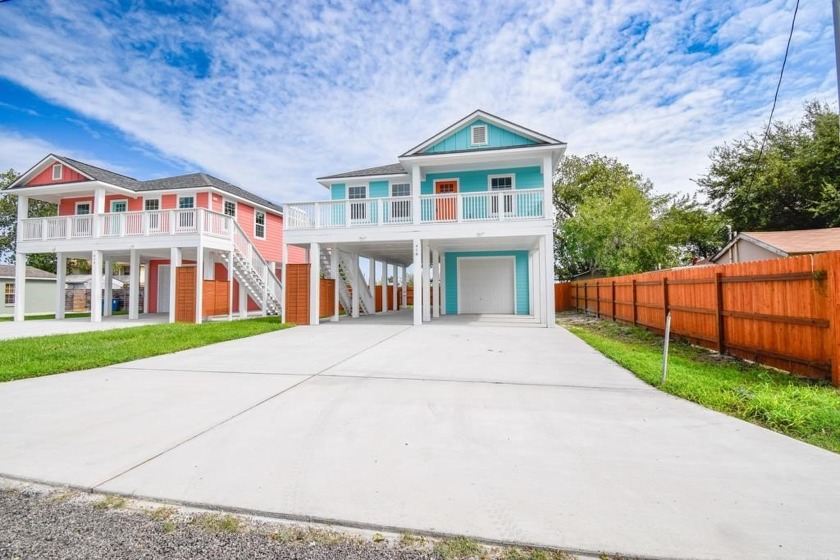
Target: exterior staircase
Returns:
[[253, 273], [348, 267]]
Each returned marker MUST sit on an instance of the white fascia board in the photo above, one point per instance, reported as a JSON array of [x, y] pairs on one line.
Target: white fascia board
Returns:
[[329, 182], [40, 166], [226, 194], [480, 156], [70, 188]]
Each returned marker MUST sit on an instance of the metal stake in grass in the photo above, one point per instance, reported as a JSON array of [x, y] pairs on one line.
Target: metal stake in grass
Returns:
[[665, 349]]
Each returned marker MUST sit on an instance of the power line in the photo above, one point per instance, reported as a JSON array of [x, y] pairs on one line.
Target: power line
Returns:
[[775, 100]]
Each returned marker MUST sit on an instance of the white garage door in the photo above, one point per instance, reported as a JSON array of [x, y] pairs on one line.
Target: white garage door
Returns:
[[486, 285]]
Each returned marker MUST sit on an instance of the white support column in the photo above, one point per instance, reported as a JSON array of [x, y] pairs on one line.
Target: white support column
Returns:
[[355, 286], [395, 289], [415, 194], [417, 272], [20, 287], [96, 287], [372, 281], [285, 257], [174, 263], [314, 283], [60, 280], [536, 285], [98, 210], [443, 284], [134, 286], [427, 304], [383, 278], [436, 283], [531, 258], [404, 286], [231, 256], [547, 244], [109, 287], [199, 282], [336, 279], [147, 273]]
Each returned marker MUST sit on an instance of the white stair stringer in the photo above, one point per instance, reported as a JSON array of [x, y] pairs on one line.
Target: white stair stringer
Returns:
[[348, 267], [253, 273]]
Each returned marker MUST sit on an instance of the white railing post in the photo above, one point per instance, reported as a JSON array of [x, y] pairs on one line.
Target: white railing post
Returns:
[[500, 205], [380, 216], [69, 226], [171, 222], [459, 207], [317, 215]]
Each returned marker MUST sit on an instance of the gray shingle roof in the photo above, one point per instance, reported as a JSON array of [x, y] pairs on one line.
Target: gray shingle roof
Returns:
[[199, 180], [189, 181], [100, 174], [392, 169], [8, 271]]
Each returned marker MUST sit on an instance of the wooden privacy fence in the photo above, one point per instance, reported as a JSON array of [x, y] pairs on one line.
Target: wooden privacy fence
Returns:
[[784, 312]]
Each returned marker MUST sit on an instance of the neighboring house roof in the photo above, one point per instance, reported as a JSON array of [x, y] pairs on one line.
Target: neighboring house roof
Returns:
[[85, 279], [8, 271], [392, 169], [189, 181], [786, 243]]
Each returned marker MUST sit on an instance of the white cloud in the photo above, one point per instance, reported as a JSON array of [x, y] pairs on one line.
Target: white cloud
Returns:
[[284, 92]]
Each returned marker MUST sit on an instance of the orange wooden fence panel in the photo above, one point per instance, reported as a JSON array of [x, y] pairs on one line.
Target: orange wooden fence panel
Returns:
[[185, 294], [783, 312], [563, 296], [327, 297], [297, 294], [215, 296]]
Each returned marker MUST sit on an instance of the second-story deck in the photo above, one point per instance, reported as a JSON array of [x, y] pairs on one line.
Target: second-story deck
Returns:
[[494, 206]]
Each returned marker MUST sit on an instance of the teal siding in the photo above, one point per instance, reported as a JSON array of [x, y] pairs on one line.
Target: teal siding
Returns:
[[338, 191], [476, 181], [523, 284], [496, 138], [378, 189]]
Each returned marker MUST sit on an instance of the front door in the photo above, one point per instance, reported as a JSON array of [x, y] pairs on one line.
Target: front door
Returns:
[[117, 206], [446, 206], [163, 289]]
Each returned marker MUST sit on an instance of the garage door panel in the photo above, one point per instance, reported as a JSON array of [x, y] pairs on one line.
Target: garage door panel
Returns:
[[486, 285]]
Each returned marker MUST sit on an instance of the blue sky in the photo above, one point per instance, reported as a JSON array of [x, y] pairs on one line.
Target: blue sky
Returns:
[[270, 95]]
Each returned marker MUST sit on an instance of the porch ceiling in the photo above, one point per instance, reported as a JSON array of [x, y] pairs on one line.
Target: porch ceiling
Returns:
[[397, 252]]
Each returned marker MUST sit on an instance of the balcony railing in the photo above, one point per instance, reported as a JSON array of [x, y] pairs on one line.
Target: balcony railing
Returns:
[[525, 204], [127, 224]]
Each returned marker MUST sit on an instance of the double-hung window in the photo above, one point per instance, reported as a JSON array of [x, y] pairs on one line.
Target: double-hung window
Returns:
[[228, 209], [152, 205], [259, 224], [401, 209], [57, 171], [358, 210], [502, 183], [9, 294]]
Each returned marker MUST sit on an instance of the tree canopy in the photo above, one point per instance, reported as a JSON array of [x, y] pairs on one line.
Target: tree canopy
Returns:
[[609, 221], [795, 184]]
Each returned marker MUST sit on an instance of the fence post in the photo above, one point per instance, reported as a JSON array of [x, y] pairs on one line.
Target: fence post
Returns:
[[664, 298], [719, 312], [598, 299], [613, 300], [635, 315], [585, 299], [833, 282]]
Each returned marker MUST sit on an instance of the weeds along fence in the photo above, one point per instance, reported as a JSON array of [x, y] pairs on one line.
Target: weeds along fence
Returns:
[[784, 312]]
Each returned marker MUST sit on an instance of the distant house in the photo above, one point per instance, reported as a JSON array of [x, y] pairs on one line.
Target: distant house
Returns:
[[83, 282], [40, 287], [764, 245]]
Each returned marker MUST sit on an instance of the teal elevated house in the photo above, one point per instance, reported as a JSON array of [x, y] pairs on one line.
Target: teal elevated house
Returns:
[[466, 216]]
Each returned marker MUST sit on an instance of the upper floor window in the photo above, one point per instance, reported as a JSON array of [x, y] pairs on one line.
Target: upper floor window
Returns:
[[357, 192], [9, 294], [478, 135], [259, 224], [151, 204], [401, 189], [82, 208], [501, 183], [185, 202], [229, 208], [57, 171]]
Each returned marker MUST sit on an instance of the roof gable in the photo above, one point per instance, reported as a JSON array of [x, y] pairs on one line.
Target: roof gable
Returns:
[[500, 134], [461, 139]]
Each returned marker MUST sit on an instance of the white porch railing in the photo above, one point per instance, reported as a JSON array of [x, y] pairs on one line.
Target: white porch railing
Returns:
[[521, 204], [127, 224]]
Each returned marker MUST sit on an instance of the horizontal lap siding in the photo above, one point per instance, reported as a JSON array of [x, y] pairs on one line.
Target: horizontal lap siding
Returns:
[[477, 181], [796, 319]]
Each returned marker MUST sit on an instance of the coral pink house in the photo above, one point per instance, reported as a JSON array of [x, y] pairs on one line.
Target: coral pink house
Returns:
[[197, 221]]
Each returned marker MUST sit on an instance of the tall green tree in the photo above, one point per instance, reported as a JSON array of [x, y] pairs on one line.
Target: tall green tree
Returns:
[[8, 224], [793, 185], [611, 222]]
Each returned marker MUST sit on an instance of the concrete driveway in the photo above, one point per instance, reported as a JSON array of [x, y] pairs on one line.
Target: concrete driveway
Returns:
[[494, 431]]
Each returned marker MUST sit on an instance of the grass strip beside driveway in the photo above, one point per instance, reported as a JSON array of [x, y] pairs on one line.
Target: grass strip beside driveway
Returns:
[[799, 408], [45, 355]]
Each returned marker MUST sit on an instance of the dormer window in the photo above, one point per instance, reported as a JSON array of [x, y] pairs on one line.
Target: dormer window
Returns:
[[478, 135], [56, 169]]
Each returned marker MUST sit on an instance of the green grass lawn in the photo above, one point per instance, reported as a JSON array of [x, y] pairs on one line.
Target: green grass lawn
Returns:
[[803, 409], [44, 355]]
